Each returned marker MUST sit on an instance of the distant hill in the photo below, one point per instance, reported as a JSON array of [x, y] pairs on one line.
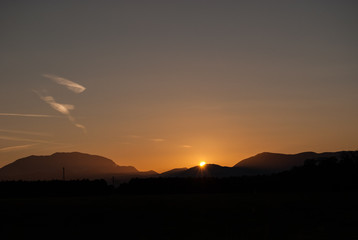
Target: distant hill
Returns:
[[209, 170], [77, 166], [323, 174], [277, 162], [263, 163], [173, 172], [85, 166]]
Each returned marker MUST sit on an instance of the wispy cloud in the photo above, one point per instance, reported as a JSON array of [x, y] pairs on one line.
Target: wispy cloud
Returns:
[[157, 139], [27, 115], [81, 127], [25, 132], [16, 148], [16, 139], [146, 139], [61, 108], [74, 87], [186, 146]]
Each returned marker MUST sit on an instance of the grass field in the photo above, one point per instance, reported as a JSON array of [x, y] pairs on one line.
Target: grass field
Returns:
[[187, 216]]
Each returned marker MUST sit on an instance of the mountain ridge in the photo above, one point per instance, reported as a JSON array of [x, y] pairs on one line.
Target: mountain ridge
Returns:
[[260, 164], [276, 162], [72, 165], [76, 165]]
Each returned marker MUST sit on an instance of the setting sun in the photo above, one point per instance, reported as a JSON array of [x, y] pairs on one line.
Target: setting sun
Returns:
[[202, 164]]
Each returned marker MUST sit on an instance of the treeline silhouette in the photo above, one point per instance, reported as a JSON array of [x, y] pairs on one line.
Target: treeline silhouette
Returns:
[[54, 188], [323, 174]]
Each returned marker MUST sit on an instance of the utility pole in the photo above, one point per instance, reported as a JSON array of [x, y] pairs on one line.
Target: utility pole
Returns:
[[63, 174]]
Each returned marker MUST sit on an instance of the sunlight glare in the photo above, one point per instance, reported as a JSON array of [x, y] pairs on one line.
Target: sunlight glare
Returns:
[[202, 164]]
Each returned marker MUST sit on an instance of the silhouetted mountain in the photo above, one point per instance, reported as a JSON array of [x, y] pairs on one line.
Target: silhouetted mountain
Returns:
[[149, 173], [316, 175], [276, 162], [173, 172], [263, 163], [85, 166], [209, 170], [77, 166]]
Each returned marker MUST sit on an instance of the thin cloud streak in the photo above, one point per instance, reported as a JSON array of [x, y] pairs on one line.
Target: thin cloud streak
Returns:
[[27, 115], [157, 140], [24, 140], [25, 132], [81, 127], [186, 146], [74, 87], [138, 137], [16, 148], [62, 108]]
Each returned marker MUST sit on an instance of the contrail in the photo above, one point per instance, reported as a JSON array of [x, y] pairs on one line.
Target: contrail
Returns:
[[25, 132], [23, 140], [74, 87], [14, 148], [27, 115]]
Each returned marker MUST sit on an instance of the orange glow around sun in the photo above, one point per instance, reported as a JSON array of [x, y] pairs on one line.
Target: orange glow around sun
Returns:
[[202, 164]]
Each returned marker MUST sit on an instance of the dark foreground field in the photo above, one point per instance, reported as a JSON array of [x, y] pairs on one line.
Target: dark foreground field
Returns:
[[185, 216]]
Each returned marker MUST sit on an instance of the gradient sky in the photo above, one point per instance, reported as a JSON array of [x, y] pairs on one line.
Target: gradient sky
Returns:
[[165, 84]]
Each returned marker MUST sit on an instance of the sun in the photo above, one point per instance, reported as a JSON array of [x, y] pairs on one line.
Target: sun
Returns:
[[202, 164]]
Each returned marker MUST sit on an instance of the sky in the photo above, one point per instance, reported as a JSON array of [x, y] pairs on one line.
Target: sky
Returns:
[[167, 84]]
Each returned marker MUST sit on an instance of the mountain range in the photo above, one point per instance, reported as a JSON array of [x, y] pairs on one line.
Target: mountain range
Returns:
[[263, 163], [72, 165], [77, 165]]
